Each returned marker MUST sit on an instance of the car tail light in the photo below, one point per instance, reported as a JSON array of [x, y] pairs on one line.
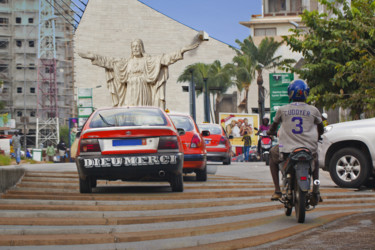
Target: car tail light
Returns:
[[223, 140], [195, 142], [90, 145], [303, 178], [168, 142]]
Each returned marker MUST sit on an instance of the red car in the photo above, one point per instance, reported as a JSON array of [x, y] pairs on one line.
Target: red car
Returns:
[[194, 147], [129, 144], [217, 143]]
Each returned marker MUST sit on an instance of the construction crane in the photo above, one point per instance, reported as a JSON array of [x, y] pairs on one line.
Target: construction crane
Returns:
[[47, 125]]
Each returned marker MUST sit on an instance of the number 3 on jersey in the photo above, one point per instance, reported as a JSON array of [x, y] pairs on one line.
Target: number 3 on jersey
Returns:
[[298, 121]]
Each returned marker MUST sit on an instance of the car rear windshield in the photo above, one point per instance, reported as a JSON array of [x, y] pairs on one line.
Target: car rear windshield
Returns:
[[182, 122], [128, 117], [214, 130]]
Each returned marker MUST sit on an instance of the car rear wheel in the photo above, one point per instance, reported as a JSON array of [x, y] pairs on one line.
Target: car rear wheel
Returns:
[[227, 161], [177, 183], [349, 168], [85, 185], [201, 175]]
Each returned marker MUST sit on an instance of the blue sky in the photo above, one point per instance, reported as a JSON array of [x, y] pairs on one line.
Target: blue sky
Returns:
[[219, 18]]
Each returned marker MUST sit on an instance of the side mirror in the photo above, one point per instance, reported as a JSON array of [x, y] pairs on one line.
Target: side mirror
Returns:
[[206, 133], [78, 134], [181, 131]]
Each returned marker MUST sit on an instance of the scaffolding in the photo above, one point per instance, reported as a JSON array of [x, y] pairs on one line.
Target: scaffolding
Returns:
[[47, 127]]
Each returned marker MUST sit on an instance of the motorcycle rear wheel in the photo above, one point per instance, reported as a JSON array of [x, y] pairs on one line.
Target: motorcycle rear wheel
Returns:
[[299, 203]]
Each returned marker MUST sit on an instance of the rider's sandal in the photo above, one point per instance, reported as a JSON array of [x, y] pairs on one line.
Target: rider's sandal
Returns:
[[276, 196]]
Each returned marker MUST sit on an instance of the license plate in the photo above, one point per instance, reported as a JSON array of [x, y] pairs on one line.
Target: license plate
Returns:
[[128, 142]]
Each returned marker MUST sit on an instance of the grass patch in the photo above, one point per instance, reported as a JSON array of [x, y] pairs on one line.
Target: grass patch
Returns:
[[5, 160]]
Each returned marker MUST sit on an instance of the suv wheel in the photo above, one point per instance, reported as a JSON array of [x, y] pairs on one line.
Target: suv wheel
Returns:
[[349, 168]]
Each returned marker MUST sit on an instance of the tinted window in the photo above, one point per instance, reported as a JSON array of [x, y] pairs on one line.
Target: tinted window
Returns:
[[182, 122], [128, 117], [214, 130]]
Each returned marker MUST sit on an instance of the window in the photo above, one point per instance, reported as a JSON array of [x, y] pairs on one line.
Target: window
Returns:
[[5, 90], [31, 44], [18, 20], [19, 66], [3, 1], [4, 21], [32, 90], [3, 67], [32, 113], [19, 113], [276, 5], [19, 90], [31, 66], [265, 32], [4, 44], [31, 20], [19, 43]]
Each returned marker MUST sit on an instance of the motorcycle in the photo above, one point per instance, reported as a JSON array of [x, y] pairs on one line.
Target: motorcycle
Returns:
[[297, 172], [265, 146]]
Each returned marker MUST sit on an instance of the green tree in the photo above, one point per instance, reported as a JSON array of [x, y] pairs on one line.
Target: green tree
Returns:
[[64, 134], [243, 71], [258, 58], [338, 55], [218, 80]]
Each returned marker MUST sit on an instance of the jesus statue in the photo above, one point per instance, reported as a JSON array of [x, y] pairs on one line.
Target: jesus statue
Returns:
[[140, 79]]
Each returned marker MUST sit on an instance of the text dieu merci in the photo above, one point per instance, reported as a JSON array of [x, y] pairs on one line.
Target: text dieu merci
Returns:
[[130, 161]]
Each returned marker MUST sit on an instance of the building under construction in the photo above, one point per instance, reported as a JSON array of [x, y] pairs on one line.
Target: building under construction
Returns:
[[31, 87]]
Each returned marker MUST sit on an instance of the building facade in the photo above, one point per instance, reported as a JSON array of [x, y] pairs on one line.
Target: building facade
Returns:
[[19, 21]]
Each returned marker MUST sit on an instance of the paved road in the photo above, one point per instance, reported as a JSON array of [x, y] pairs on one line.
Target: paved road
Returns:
[[231, 210]]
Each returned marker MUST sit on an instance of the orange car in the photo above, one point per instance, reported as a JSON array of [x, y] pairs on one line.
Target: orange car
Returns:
[[195, 153], [217, 143], [130, 144]]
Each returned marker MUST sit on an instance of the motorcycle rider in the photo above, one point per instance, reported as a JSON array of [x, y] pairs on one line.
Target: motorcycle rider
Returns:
[[264, 127], [301, 127]]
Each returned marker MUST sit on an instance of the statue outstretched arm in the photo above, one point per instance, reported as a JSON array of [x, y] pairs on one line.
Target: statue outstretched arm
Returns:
[[190, 47], [87, 55]]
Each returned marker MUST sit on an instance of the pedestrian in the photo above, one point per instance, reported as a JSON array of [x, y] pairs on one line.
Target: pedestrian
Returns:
[[246, 146], [50, 151], [62, 150], [16, 142]]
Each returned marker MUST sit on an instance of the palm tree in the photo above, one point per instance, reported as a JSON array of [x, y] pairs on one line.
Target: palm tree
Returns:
[[218, 79], [243, 71], [262, 57]]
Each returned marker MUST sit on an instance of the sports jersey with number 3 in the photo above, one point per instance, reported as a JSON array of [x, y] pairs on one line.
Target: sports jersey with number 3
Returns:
[[298, 126]]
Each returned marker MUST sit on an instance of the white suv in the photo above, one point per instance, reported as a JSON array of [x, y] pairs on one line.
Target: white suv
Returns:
[[348, 152]]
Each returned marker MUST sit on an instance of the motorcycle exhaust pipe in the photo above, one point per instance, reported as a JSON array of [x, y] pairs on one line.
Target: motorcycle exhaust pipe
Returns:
[[161, 173], [316, 186]]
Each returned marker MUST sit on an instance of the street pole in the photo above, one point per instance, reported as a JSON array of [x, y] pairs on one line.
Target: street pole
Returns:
[[192, 96], [206, 102]]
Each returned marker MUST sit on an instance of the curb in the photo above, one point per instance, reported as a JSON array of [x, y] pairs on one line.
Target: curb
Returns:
[[9, 176]]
